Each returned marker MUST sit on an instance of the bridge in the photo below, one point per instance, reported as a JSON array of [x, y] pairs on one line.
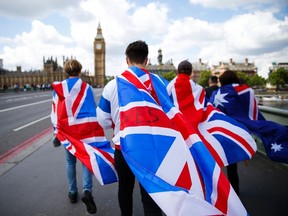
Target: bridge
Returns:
[[34, 182]]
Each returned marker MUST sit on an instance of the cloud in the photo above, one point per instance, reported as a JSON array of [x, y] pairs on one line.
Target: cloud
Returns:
[[258, 36], [34, 8], [273, 5], [28, 49], [256, 33]]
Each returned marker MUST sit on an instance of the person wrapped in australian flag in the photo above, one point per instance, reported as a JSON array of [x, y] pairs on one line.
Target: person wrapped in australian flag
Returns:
[[238, 101]]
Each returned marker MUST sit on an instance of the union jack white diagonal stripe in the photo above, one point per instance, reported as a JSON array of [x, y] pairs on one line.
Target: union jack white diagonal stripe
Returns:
[[240, 103], [174, 166], [74, 118], [227, 140]]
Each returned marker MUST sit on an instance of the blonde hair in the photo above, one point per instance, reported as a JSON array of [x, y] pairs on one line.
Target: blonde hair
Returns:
[[72, 67]]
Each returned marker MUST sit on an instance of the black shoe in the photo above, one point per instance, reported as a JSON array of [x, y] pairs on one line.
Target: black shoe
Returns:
[[73, 197], [87, 199]]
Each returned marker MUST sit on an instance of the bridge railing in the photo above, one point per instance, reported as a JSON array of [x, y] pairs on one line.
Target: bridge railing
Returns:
[[273, 114]]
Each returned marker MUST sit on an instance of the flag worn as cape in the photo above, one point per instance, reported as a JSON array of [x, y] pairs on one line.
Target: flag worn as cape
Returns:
[[227, 140], [168, 159], [239, 102], [74, 118]]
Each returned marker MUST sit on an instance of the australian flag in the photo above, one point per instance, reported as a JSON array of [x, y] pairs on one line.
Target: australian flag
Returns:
[[227, 140], [239, 102], [75, 125], [166, 155]]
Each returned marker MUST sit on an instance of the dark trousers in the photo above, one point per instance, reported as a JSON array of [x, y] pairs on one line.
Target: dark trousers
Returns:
[[232, 174], [126, 181]]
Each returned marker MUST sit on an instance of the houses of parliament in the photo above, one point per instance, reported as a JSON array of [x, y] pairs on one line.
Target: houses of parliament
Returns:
[[52, 71]]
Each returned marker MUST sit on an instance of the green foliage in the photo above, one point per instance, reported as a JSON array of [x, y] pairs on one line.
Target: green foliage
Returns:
[[278, 78], [204, 78], [243, 77], [253, 81], [257, 81], [169, 75]]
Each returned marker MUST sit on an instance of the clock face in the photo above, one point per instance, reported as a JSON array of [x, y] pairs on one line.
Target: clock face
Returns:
[[98, 46]]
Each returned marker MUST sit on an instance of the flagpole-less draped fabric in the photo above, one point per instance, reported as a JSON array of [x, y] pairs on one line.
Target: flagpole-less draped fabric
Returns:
[[75, 125], [166, 155], [227, 140], [239, 102]]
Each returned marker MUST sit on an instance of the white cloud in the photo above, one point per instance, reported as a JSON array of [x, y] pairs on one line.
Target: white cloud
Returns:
[[29, 48], [34, 8], [256, 33], [258, 36], [241, 4]]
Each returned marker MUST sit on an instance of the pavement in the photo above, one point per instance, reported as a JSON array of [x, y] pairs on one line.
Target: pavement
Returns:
[[33, 183]]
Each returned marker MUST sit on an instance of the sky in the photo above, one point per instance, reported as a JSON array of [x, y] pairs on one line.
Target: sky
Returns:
[[211, 30]]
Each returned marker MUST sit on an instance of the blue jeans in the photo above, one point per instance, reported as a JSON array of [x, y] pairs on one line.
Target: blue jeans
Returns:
[[87, 181]]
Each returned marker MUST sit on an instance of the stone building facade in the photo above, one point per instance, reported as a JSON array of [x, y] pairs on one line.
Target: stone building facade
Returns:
[[161, 67], [248, 68], [52, 71], [198, 67], [275, 66]]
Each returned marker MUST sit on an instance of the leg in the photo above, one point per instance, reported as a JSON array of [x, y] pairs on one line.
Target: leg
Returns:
[[71, 171], [126, 181], [233, 177], [87, 198], [87, 179], [150, 207]]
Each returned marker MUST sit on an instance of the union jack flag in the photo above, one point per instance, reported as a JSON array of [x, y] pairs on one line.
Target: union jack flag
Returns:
[[166, 156], [75, 125], [239, 102], [227, 140]]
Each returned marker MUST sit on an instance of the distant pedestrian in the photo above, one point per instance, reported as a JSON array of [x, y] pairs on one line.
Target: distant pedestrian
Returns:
[[213, 86]]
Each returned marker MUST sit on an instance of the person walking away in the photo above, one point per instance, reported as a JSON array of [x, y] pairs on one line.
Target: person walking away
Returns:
[[74, 84], [108, 117]]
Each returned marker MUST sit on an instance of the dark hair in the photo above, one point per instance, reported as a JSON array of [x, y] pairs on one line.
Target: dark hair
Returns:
[[137, 52], [213, 79], [228, 77], [185, 67], [72, 67]]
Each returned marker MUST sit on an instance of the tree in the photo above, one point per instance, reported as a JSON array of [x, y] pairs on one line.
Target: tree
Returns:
[[253, 81], [169, 75], [278, 78], [243, 77], [204, 78], [257, 81]]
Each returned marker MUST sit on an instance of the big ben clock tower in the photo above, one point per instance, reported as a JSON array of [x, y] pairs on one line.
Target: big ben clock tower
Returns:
[[99, 58]]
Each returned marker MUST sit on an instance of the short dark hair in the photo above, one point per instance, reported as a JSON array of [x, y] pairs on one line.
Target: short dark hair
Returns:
[[229, 77], [72, 67], [213, 79], [137, 52], [185, 67]]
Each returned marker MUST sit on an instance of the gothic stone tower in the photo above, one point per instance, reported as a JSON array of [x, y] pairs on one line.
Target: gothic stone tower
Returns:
[[99, 58]]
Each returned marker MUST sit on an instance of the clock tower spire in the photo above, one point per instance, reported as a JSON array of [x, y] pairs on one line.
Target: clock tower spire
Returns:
[[99, 58]]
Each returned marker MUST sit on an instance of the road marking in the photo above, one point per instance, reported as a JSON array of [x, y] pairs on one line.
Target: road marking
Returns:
[[19, 128], [26, 105]]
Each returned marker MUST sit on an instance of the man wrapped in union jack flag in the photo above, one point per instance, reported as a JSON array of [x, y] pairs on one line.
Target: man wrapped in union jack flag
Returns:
[[156, 142], [238, 101], [75, 125]]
